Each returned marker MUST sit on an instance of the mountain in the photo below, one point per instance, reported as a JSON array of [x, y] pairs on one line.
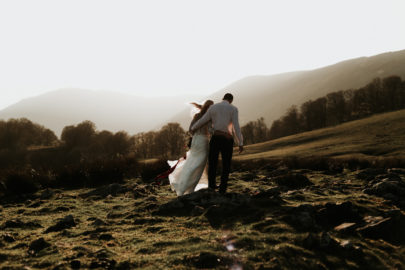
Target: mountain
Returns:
[[271, 96], [255, 96], [108, 110]]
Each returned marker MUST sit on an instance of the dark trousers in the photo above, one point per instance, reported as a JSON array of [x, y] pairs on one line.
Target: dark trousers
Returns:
[[223, 145]]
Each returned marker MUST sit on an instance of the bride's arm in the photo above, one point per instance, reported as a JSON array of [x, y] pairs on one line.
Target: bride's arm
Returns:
[[201, 121], [192, 123]]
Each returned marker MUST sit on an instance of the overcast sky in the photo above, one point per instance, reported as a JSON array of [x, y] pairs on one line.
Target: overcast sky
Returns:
[[175, 47]]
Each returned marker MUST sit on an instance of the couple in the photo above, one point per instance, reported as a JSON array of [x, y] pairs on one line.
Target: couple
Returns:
[[221, 119]]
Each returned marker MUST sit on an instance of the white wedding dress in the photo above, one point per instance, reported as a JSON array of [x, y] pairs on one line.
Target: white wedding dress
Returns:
[[190, 174]]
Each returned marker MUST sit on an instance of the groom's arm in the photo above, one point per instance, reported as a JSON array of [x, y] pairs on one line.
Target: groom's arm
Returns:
[[203, 120]]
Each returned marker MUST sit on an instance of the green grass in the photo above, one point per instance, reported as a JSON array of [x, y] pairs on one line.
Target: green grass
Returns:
[[379, 136]]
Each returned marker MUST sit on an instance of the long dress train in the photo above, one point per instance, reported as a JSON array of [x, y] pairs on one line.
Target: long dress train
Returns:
[[190, 174]]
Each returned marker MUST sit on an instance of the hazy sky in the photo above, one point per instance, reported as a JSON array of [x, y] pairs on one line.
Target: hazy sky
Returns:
[[174, 47]]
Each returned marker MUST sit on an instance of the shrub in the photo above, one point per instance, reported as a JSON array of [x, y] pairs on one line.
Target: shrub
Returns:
[[20, 182]]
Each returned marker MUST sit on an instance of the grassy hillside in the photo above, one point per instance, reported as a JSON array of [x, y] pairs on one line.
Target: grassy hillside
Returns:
[[381, 135], [272, 95]]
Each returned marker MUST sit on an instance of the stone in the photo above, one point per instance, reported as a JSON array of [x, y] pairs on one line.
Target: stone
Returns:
[[346, 244], [326, 241], [331, 215], [37, 245], [205, 260], [8, 238], [390, 229], [17, 223], [397, 171], [98, 222], [369, 173], [64, 223], [106, 237], [46, 194], [346, 227], [107, 191], [75, 264], [293, 181]]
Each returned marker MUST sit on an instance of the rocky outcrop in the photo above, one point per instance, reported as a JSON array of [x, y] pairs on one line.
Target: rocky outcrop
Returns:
[[64, 223]]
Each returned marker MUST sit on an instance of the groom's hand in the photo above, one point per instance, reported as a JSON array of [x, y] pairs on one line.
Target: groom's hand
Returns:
[[240, 149]]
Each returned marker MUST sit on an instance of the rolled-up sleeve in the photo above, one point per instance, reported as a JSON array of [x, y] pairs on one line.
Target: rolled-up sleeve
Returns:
[[236, 127]]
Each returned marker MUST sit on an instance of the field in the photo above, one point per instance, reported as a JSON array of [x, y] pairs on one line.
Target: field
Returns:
[[379, 136], [274, 216]]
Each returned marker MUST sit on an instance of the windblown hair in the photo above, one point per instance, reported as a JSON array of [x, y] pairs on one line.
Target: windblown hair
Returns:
[[203, 109]]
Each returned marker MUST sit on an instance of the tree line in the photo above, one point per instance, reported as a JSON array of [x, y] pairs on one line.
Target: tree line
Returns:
[[380, 95], [83, 141]]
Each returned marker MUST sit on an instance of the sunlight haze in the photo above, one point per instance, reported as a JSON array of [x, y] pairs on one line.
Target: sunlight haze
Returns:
[[168, 48]]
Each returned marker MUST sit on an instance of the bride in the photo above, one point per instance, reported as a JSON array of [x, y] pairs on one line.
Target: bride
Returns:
[[190, 173]]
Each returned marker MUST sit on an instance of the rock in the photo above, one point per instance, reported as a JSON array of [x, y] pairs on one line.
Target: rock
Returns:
[[104, 264], [346, 227], [397, 171], [391, 188], [35, 204], [125, 265], [248, 176], [267, 193], [346, 244], [311, 241], [104, 191], [98, 222], [293, 181], [17, 223], [218, 209], [64, 223], [8, 238], [204, 260], [326, 241], [3, 257], [114, 215], [61, 209], [37, 245], [369, 173], [197, 211], [277, 172], [106, 237], [332, 215], [46, 194], [75, 264], [391, 229]]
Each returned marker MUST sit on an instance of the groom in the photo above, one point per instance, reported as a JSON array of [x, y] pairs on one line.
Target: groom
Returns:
[[224, 117]]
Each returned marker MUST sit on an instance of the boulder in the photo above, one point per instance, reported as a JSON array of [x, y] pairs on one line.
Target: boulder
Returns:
[[292, 181], [346, 227], [391, 187], [64, 223], [37, 245], [204, 260], [369, 173], [390, 229], [17, 223], [331, 215], [102, 192]]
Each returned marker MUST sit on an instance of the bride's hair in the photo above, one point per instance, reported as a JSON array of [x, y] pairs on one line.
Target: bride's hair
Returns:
[[203, 108]]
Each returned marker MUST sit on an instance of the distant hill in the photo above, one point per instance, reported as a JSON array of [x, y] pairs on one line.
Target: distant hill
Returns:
[[108, 110], [256, 96], [270, 96]]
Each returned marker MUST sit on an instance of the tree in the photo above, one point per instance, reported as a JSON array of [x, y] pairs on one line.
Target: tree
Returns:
[[80, 135]]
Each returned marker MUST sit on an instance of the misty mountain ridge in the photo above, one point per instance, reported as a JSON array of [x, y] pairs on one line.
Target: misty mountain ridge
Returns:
[[108, 110], [255, 96], [271, 96]]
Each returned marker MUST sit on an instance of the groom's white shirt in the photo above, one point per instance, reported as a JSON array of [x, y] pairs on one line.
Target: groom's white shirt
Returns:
[[224, 117]]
